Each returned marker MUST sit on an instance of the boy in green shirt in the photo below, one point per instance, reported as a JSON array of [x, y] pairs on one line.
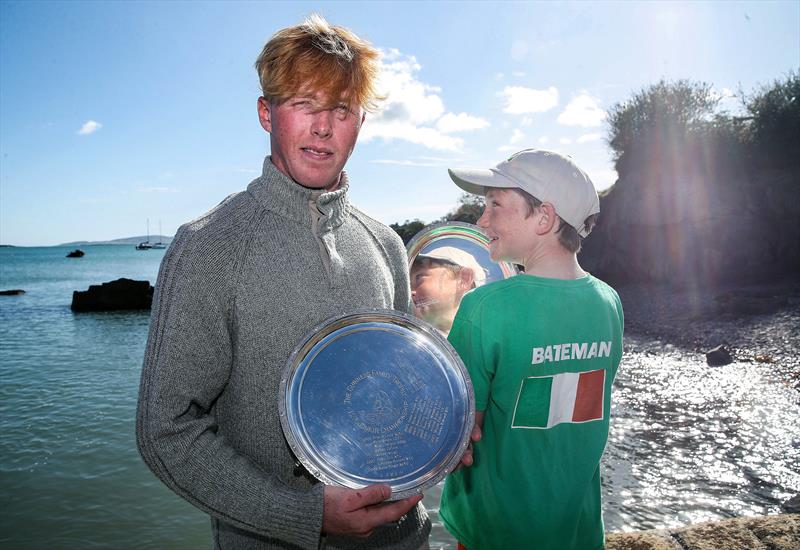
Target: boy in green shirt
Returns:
[[542, 349]]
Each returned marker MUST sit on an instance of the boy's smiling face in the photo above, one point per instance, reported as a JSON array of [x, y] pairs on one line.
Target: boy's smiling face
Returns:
[[506, 223]]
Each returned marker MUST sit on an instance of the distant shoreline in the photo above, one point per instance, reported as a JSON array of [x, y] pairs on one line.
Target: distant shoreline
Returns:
[[163, 239]]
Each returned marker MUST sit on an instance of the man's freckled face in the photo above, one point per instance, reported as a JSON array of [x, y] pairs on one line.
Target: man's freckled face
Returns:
[[309, 143]]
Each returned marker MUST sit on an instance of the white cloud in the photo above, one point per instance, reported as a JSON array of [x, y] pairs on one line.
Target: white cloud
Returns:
[[526, 121], [517, 136], [544, 139], [407, 162], [565, 141], [89, 127], [512, 145], [518, 74], [414, 111], [446, 160], [589, 137], [404, 130], [521, 100], [461, 122], [728, 102], [603, 179], [157, 190], [583, 110]]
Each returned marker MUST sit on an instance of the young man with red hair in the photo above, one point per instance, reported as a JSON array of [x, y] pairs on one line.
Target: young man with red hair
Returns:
[[242, 284]]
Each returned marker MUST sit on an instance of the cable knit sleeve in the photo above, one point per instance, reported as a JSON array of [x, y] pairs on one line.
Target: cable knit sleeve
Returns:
[[186, 368], [399, 263]]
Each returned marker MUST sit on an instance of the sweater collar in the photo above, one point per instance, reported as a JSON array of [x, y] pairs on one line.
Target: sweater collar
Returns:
[[278, 193]]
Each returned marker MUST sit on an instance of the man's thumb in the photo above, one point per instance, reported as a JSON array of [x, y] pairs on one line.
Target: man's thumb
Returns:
[[372, 494]]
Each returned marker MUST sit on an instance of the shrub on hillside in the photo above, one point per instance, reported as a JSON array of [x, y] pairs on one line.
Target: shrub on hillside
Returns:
[[660, 118], [773, 132]]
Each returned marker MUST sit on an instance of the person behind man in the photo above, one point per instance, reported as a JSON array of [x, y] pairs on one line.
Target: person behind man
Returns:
[[542, 349], [439, 279], [242, 284]]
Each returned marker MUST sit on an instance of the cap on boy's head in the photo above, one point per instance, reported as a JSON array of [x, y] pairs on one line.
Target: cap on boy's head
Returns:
[[546, 175], [458, 257]]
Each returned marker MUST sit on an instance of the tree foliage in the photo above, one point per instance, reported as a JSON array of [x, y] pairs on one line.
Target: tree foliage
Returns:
[[407, 229], [664, 113], [670, 120], [469, 209], [773, 131]]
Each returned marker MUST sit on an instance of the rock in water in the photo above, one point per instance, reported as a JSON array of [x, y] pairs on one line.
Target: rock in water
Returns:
[[12, 292], [792, 505], [719, 356], [116, 295]]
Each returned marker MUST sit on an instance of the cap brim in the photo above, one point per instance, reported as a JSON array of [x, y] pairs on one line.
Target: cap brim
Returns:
[[476, 181]]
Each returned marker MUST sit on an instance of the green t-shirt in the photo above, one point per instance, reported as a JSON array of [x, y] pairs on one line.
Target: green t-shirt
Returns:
[[542, 355]]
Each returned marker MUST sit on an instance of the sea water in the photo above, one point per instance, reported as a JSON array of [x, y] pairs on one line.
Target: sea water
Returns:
[[688, 443]]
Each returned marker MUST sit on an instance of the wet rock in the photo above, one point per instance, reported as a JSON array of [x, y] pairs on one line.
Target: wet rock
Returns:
[[645, 540], [781, 532], [77, 253], [792, 505], [121, 294], [777, 532], [718, 357], [724, 535], [12, 292]]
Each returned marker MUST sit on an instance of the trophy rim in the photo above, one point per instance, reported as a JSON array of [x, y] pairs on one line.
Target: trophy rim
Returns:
[[316, 465], [427, 235]]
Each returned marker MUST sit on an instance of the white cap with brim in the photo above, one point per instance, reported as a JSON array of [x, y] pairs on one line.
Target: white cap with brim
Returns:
[[546, 175], [458, 257]]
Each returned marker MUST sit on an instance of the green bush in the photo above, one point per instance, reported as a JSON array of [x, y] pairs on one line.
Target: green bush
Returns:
[[407, 229], [469, 209], [773, 131], [662, 115]]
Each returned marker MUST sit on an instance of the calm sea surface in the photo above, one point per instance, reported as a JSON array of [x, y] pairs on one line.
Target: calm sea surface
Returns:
[[688, 442]]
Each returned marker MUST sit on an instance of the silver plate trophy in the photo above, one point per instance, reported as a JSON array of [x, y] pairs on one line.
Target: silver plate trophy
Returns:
[[377, 396], [464, 236]]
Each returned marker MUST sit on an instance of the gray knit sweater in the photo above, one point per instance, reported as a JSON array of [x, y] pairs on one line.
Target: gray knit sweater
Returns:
[[238, 288]]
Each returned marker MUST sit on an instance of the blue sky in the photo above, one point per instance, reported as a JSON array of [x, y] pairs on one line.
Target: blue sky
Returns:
[[115, 112]]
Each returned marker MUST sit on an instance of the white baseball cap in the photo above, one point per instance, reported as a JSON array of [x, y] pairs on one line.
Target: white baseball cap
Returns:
[[458, 257], [546, 175]]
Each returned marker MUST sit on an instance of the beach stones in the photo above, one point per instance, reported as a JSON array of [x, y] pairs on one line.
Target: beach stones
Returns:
[[718, 357]]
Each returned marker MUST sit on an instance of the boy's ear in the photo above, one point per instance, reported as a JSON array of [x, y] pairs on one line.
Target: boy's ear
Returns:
[[547, 218], [466, 277]]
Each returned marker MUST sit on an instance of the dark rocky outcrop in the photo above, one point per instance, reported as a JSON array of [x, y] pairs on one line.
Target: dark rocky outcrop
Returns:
[[12, 292], [697, 223], [77, 253], [122, 294]]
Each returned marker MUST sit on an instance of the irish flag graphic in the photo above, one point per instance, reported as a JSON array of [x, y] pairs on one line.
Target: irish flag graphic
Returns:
[[546, 401]]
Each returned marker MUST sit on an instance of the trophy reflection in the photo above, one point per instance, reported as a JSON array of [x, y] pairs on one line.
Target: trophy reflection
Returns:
[[439, 279]]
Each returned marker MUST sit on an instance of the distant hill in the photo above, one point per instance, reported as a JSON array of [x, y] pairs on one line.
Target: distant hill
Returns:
[[126, 241]]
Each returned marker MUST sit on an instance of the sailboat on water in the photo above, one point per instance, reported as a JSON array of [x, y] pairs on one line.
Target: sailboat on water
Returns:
[[146, 244], [159, 245]]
